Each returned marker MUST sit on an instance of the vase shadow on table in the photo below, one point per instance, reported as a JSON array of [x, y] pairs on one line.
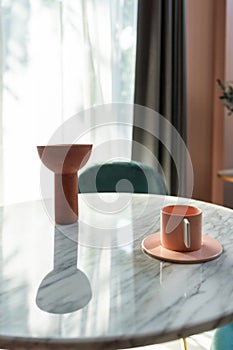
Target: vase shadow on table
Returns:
[[65, 289]]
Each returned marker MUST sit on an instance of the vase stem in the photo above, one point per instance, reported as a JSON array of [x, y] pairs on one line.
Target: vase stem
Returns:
[[66, 198]]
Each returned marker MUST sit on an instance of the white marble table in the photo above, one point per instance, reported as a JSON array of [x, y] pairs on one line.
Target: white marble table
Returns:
[[119, 297], [226, 174]]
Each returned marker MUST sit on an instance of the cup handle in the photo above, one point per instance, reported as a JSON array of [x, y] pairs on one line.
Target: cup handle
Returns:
[[186, 233]]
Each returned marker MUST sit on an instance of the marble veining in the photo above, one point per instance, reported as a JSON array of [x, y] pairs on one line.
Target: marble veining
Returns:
[[91, 284]]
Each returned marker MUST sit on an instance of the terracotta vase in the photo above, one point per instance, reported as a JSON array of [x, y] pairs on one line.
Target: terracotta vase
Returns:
[[65, 161]]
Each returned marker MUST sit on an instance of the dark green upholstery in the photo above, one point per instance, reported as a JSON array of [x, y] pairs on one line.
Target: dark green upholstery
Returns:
[[121, 177]]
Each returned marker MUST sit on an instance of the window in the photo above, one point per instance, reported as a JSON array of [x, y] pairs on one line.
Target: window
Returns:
[[57, 58]]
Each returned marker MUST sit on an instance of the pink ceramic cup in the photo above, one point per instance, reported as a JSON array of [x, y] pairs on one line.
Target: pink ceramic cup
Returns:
[[181, 228]]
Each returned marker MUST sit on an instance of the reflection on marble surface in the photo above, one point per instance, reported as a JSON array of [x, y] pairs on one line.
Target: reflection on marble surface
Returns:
[[65, 289], [107, 220], [136, 300]]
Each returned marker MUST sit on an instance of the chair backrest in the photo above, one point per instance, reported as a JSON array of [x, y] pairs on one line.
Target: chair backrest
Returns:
[[121, 177]]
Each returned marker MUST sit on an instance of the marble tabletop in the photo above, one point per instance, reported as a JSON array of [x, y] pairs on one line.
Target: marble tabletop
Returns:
[[226, 174], [90, 286]]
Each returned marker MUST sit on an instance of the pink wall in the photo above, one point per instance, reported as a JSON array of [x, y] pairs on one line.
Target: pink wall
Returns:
[[218, 110], [228, 129], [205, 38]]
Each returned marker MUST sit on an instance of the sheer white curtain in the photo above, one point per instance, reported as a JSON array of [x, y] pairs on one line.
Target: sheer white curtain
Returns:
[[57, 58]]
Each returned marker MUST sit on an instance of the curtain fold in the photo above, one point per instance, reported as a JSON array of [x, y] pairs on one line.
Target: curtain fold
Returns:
[[58, 59], [160, 83]]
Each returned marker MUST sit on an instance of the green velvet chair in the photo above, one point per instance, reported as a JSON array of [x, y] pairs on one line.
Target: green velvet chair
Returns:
[[121, 177], [223, 338]]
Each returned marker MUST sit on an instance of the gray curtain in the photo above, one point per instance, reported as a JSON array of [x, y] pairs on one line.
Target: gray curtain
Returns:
[[160, 84]]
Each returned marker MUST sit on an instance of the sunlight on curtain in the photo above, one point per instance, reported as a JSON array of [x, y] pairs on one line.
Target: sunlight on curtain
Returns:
[[57, 58]]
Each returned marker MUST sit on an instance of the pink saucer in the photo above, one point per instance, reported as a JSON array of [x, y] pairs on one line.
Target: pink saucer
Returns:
[[210, 250]]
